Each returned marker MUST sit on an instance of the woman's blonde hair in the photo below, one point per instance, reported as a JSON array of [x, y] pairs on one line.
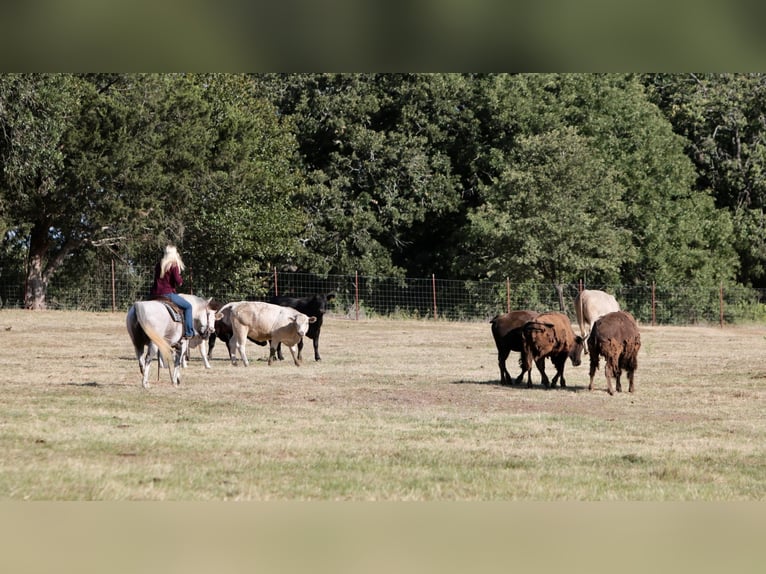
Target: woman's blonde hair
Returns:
[[171, 257]]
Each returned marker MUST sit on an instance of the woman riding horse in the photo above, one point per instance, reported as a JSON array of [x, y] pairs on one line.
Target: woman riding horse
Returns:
[[167, 277]]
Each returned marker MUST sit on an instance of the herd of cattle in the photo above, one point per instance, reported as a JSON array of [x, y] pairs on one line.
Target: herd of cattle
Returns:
[[605, 331]]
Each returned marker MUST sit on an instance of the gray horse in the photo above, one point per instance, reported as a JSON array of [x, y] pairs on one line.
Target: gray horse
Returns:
[[151, 328]]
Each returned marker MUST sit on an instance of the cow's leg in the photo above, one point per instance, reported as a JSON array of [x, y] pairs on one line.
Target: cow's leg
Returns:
[[300, 349], [316, 348], [273, 350], [295, 352], [210, 345], [543, 377], [559, 361], [505, 376], [631, 372], [593, 367], [242, 355], [609, 372], [237, 345], [526, 366], [280, 356]]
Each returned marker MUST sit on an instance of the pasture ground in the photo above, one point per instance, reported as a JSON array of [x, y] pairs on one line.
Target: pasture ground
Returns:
[[397, 410]]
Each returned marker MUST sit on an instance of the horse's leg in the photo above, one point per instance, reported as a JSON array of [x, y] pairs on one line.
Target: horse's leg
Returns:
[[140, 353], [147, 363], [204, 352]]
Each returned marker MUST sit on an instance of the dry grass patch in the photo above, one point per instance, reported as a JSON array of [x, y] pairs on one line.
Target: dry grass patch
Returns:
[[397, 410]]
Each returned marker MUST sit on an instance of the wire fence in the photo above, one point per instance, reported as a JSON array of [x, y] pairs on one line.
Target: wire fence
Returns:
[[115, 288]]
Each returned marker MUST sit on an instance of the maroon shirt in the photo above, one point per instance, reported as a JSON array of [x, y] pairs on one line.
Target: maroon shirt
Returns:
[[168, 283]]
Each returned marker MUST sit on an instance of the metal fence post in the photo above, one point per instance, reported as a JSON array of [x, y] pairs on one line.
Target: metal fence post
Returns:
[[433, 284], [114, 294], [276, 287], [720, 296]]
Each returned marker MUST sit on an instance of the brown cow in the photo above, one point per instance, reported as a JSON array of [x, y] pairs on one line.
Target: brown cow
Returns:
[[507, 330], [589, 306], [550, 335], [616, 337]]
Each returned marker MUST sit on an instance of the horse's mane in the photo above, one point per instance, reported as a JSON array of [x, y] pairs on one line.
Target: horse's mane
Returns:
[[198, 303]]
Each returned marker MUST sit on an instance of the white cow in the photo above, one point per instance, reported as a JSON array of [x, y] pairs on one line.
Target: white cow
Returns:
[[261, 321], [590, 305]]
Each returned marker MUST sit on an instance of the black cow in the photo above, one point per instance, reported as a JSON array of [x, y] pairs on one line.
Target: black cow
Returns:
[[313, 306]]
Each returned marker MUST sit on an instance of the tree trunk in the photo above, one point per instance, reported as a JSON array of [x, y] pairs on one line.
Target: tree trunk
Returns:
[[36, 286], [560, 291], [40, 272]]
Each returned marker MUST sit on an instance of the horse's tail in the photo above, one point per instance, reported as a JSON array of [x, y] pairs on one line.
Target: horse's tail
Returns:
[[165, 349]]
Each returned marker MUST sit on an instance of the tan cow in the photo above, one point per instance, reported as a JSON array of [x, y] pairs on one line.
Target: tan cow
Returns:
[[550, 335], [590, 305], [261, 321]]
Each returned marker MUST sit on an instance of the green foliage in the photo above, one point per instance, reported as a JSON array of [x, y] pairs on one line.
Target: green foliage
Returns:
[[721, 118], [613, 178], [543, 217]]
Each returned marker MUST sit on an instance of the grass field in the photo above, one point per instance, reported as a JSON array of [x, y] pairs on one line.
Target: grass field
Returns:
[[396, 410]]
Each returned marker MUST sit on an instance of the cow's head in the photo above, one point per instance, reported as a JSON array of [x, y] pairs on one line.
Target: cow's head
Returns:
[[302, 323], [575, 353]]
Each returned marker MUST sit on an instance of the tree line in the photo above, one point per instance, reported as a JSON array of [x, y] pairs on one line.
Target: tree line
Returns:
[[612, 178]]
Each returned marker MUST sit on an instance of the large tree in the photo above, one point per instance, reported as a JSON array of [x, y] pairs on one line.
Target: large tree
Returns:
[[543, 216], [722, 118], [135, 161], [671, 231], [375, 153], [94, 160], [245, 219]]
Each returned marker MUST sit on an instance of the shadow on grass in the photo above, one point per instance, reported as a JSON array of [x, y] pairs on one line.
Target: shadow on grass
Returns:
[[522, 387], [89, 384]]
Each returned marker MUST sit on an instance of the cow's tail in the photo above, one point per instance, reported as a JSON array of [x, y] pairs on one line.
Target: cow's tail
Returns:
[[580, 315], [219, 313], [165, 349]]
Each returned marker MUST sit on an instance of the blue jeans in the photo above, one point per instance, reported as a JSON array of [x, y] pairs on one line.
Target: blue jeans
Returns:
[[188, 315]]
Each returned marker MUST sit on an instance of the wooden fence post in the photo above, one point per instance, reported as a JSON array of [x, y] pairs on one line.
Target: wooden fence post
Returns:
[[507, 295], [653, 304], [114, 295]]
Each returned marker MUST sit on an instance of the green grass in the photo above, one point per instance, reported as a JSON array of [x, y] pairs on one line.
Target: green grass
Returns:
[[397, 410]]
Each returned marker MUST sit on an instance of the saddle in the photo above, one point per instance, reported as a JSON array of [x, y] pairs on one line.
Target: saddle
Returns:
[[175, 311]]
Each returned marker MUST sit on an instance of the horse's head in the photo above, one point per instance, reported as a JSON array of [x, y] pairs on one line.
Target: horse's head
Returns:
[[209, 324], [204, 313]]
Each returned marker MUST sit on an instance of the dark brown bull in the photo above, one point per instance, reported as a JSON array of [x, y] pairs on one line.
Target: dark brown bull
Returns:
[[507, 330], [616, 337], [550, 335]]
